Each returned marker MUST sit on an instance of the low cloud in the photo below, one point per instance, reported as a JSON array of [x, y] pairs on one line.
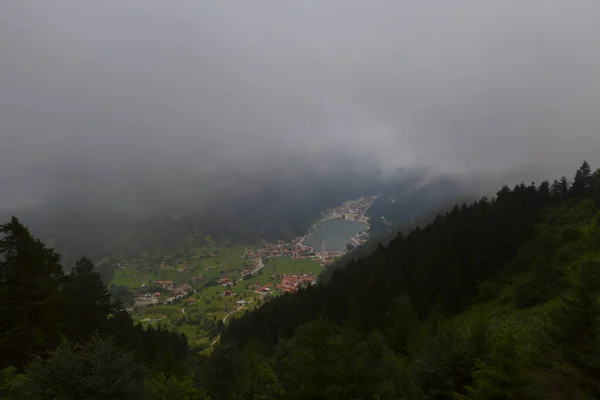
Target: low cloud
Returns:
[[148, 102]]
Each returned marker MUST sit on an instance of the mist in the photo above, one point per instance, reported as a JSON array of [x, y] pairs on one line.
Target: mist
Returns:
[[150, 105]]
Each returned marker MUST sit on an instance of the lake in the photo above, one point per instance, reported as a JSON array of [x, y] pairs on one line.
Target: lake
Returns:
[[336, 233]]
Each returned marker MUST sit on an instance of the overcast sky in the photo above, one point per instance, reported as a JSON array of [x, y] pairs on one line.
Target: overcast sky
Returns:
[[104, 95]]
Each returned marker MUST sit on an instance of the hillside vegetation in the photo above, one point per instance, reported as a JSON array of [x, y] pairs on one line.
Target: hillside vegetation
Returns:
[[498, 299], [493, 300]]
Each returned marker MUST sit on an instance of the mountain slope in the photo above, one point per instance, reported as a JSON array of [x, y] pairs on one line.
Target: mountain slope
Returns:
[[498, 299]]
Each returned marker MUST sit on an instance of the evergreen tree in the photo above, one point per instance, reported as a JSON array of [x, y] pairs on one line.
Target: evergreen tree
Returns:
[[582, 183], [555, 189], [564, 186], [29, 295], [93, 370], [544, 190], [163, 387], [502, 374], [576, 327], [87, 301]]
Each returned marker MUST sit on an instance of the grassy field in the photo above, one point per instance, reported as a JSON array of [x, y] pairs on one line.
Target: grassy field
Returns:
[[131, 278], [209, 262], [287, 265]]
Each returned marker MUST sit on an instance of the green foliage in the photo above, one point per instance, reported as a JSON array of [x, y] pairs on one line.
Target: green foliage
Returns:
[[90, 303], [326, 361], [444, 366], [163, 387], [583, 181], [38, 305], [96, 369], [29, 295], [10, 382], [256, 378], [502, 373]]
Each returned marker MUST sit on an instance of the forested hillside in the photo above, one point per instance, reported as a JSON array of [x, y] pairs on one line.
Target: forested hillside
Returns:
[[498, 299], [493, 300], [423, 216]]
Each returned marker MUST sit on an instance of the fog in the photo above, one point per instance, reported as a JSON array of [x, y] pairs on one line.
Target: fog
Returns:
[[148, 101]]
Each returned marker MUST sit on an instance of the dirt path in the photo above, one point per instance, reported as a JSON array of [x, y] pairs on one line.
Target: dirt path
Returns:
[[236, 310], [225, 319]]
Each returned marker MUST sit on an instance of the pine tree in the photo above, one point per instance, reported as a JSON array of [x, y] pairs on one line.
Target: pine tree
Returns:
[[163, 387], [564, 186], [87, 301], [555, 189], [544, 193], [29, 295], [544, 189], [94, 370], [582, 183]]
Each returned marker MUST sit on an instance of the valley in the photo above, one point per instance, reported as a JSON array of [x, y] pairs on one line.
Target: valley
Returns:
[[504, 287], [197, 294], [303, 200]]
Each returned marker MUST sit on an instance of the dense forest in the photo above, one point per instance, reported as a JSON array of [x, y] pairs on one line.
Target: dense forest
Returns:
[[423, 215], [497, 299]]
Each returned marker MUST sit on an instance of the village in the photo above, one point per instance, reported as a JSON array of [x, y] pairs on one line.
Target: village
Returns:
[[166, 292], [233, 280]]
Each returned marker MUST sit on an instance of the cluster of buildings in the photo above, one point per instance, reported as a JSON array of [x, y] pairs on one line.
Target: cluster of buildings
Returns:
[[290, 283], [225, 281], [295, 249], [146, 299], [352, 210], [329, 257], [178, 293], [175, 291], [360, 238], [164, 284]]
